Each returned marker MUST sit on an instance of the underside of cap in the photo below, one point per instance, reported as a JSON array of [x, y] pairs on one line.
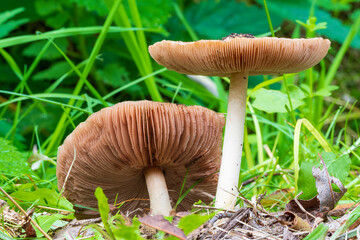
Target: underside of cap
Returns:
[[252, 56], [114, 146]]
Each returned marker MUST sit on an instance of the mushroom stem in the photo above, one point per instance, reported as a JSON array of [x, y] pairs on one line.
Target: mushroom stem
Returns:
[[227, 188], [158, 192]]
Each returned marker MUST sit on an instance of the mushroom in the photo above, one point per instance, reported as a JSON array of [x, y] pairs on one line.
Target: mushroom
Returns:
[[237, 56], [137, 150]]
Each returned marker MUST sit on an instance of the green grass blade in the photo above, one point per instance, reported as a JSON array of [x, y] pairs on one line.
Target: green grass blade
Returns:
[[259, 141], [319, 233], [183, 20], [140, 57], [354, 216], [68, 32], [60, 128], [44, 100], [269, 19], [319, 137], [76, 70]]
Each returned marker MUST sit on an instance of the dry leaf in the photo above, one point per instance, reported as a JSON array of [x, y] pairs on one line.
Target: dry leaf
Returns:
[[340, 210], [327, 197], [295, 222], [312, 206]]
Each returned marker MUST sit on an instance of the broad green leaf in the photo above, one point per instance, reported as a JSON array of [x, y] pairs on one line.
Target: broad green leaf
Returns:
[[191, 222], [46, 221], [217, 19], [55, 71], [274, 101], [306, 181], [51, 53], [103, 209], [299, 10], [46, 7], [7, 27], [12, 162], [338, 167], [58, 20], [92, 5], [4, 16], [43, 196], [325, 92], [154, 13]]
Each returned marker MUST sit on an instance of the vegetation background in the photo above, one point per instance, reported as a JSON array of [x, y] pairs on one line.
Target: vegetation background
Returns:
[[61, 60]]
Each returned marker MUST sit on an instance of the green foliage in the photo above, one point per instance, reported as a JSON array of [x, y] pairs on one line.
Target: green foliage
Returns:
[[42, 196], [115, 226], [226, 17], [117, 63], [191, 222], [274, 101], [12, 162], [318, 233], [7, 26], [46, 221], [55, 71], [338, 166], [51, 54], [92, 6], [354, 216], [124, 232], [104, 209], [299, 10]]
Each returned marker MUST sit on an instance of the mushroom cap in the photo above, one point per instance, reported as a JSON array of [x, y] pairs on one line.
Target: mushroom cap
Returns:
[[252, 56], [114, 146]]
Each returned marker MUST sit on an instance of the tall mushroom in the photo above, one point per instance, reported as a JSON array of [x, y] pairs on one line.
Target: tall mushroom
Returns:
[[238, 56], [137, 150]]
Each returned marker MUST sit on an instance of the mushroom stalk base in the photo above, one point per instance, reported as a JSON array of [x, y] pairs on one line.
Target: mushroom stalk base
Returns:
[[158, 192], [227, 189]]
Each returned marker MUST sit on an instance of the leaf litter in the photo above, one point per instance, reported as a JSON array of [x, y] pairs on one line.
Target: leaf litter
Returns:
[[299, 218]]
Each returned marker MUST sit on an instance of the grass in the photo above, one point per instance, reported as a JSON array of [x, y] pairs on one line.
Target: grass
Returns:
[[45, 115]]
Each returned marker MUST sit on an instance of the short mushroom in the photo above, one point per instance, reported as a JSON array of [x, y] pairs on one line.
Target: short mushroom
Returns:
[[238, 56], [140, 150]]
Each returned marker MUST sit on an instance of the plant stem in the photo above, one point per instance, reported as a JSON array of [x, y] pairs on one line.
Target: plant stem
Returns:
[[269, 19], [227, 189], [158, 192]]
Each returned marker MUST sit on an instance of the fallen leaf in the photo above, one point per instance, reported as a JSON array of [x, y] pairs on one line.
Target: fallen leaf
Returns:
[[295, 222], [341, 209], [160, 223], [312, 206], [326, 195]]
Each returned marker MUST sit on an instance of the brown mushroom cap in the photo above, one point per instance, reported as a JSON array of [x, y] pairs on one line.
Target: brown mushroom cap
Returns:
[[252, 56], [116, 144]]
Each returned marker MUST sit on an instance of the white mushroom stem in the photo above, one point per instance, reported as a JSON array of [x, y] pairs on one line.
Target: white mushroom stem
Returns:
[[227, 188], [158, 192]]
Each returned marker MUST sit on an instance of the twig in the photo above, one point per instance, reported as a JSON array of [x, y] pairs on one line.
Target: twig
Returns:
[[27, 216], [54, 209], [68, 173], [300, 206], [213, 208]]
